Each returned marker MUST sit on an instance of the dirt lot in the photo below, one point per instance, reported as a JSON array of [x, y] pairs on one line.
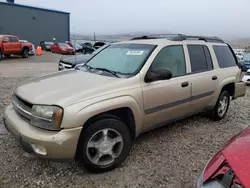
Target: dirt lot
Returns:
[[170, 157]]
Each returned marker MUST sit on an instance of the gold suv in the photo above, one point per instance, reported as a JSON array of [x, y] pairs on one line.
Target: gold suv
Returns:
[[95, 112]]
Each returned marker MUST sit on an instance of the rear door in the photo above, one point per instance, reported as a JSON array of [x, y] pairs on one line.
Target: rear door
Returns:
[[16, 45], [203, 77], [7, 45]]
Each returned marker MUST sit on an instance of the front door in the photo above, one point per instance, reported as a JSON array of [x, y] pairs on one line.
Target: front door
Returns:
[[16, 45], [167, 100]]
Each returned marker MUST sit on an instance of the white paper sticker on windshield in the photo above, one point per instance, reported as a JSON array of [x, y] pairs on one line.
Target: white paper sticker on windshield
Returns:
[[134, 52]]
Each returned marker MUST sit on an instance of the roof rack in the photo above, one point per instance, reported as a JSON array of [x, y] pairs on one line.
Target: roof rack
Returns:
[[179, 37]]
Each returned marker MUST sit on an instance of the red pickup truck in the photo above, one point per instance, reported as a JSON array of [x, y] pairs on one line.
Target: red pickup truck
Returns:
[[10, 44]]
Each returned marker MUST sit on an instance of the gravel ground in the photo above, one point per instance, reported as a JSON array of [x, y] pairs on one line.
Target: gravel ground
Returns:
[[171, 156]]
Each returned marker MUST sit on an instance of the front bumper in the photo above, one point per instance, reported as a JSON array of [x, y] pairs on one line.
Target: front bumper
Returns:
[[63, 66], [58, 144]]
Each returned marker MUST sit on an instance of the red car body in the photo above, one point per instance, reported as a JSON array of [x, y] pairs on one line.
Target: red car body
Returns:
[[62, 48], [231, 164]]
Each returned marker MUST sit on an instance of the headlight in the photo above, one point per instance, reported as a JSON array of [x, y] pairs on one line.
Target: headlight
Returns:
[[47, 117], [79, 65]]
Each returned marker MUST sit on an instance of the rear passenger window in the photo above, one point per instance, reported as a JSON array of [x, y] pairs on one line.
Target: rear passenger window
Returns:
[[224, 56], [200, 58]]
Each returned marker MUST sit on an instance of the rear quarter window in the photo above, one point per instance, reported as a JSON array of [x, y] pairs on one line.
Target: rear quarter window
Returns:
[[224, 56]]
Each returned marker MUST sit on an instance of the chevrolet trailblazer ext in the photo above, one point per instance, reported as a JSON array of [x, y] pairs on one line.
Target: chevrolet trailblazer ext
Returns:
[[94, 113]]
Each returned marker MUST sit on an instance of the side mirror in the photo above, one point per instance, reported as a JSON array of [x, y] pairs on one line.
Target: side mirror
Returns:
[[5, 41], [161, 74]]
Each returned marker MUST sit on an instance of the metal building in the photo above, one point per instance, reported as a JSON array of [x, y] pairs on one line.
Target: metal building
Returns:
[[34, 24]]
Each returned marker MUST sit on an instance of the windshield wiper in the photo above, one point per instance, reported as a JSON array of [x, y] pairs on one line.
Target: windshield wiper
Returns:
[[102, 69], [109, 71]]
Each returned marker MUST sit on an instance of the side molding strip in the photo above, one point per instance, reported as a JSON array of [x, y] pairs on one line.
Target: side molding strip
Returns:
[[179, 102]]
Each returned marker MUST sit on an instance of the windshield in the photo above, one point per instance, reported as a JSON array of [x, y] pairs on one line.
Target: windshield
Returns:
[[48, 43], [1, 37], [122, 58], [64, 45], [246, 57]]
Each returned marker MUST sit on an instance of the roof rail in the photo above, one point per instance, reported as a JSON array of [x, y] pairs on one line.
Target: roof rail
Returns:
[[179, 37]]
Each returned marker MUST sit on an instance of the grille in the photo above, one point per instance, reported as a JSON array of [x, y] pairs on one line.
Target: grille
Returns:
[[22, 107]]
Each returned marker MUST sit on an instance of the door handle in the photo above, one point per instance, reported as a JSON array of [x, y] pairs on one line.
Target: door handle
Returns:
[[214, 78], [184, 84]]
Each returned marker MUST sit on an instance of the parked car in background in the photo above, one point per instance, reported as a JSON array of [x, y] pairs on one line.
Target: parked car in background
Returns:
[[87, 49], [240, 55], [67, 63], [230, 167], [98, 45], [33, 50], [62, 48], [10, 44], [246, 77], [96, 112], [75, 45], [246, 62], [46, 45]]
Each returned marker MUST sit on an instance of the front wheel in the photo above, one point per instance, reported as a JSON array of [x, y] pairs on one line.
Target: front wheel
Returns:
[[221, 108], [25, 53], [104, 145]]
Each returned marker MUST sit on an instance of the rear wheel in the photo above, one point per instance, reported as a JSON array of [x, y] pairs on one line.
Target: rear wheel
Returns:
[[104, 145], [25, 53], [221, 108]]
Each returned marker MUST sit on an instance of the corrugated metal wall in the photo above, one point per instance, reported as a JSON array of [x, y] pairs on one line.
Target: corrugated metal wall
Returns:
[[32, 24]]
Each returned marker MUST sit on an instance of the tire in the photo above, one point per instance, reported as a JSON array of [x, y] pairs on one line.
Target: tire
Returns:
[[25, 53], [83, 51], [215, 114], [7, 55], [120, 148], [1, 55]]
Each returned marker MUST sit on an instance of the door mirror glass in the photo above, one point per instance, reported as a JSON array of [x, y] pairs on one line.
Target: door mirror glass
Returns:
[[160, 74]]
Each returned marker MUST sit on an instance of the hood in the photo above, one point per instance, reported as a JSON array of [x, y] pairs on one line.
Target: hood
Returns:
[[237, 153], [76, 59], [66, 87]]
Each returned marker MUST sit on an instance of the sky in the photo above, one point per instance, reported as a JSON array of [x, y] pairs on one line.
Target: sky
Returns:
[[223, 18]]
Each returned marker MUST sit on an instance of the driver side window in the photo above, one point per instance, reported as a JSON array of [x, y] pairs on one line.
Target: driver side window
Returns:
[[172, 58]]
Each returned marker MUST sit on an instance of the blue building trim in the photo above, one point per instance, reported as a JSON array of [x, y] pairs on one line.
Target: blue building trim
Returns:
[[27, 6]]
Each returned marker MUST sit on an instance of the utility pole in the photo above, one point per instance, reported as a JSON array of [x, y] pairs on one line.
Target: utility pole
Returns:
[[94, 37]]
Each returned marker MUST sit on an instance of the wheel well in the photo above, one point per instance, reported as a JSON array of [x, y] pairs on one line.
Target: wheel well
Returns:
[[25, 47], [230, 88], [124, 114]]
